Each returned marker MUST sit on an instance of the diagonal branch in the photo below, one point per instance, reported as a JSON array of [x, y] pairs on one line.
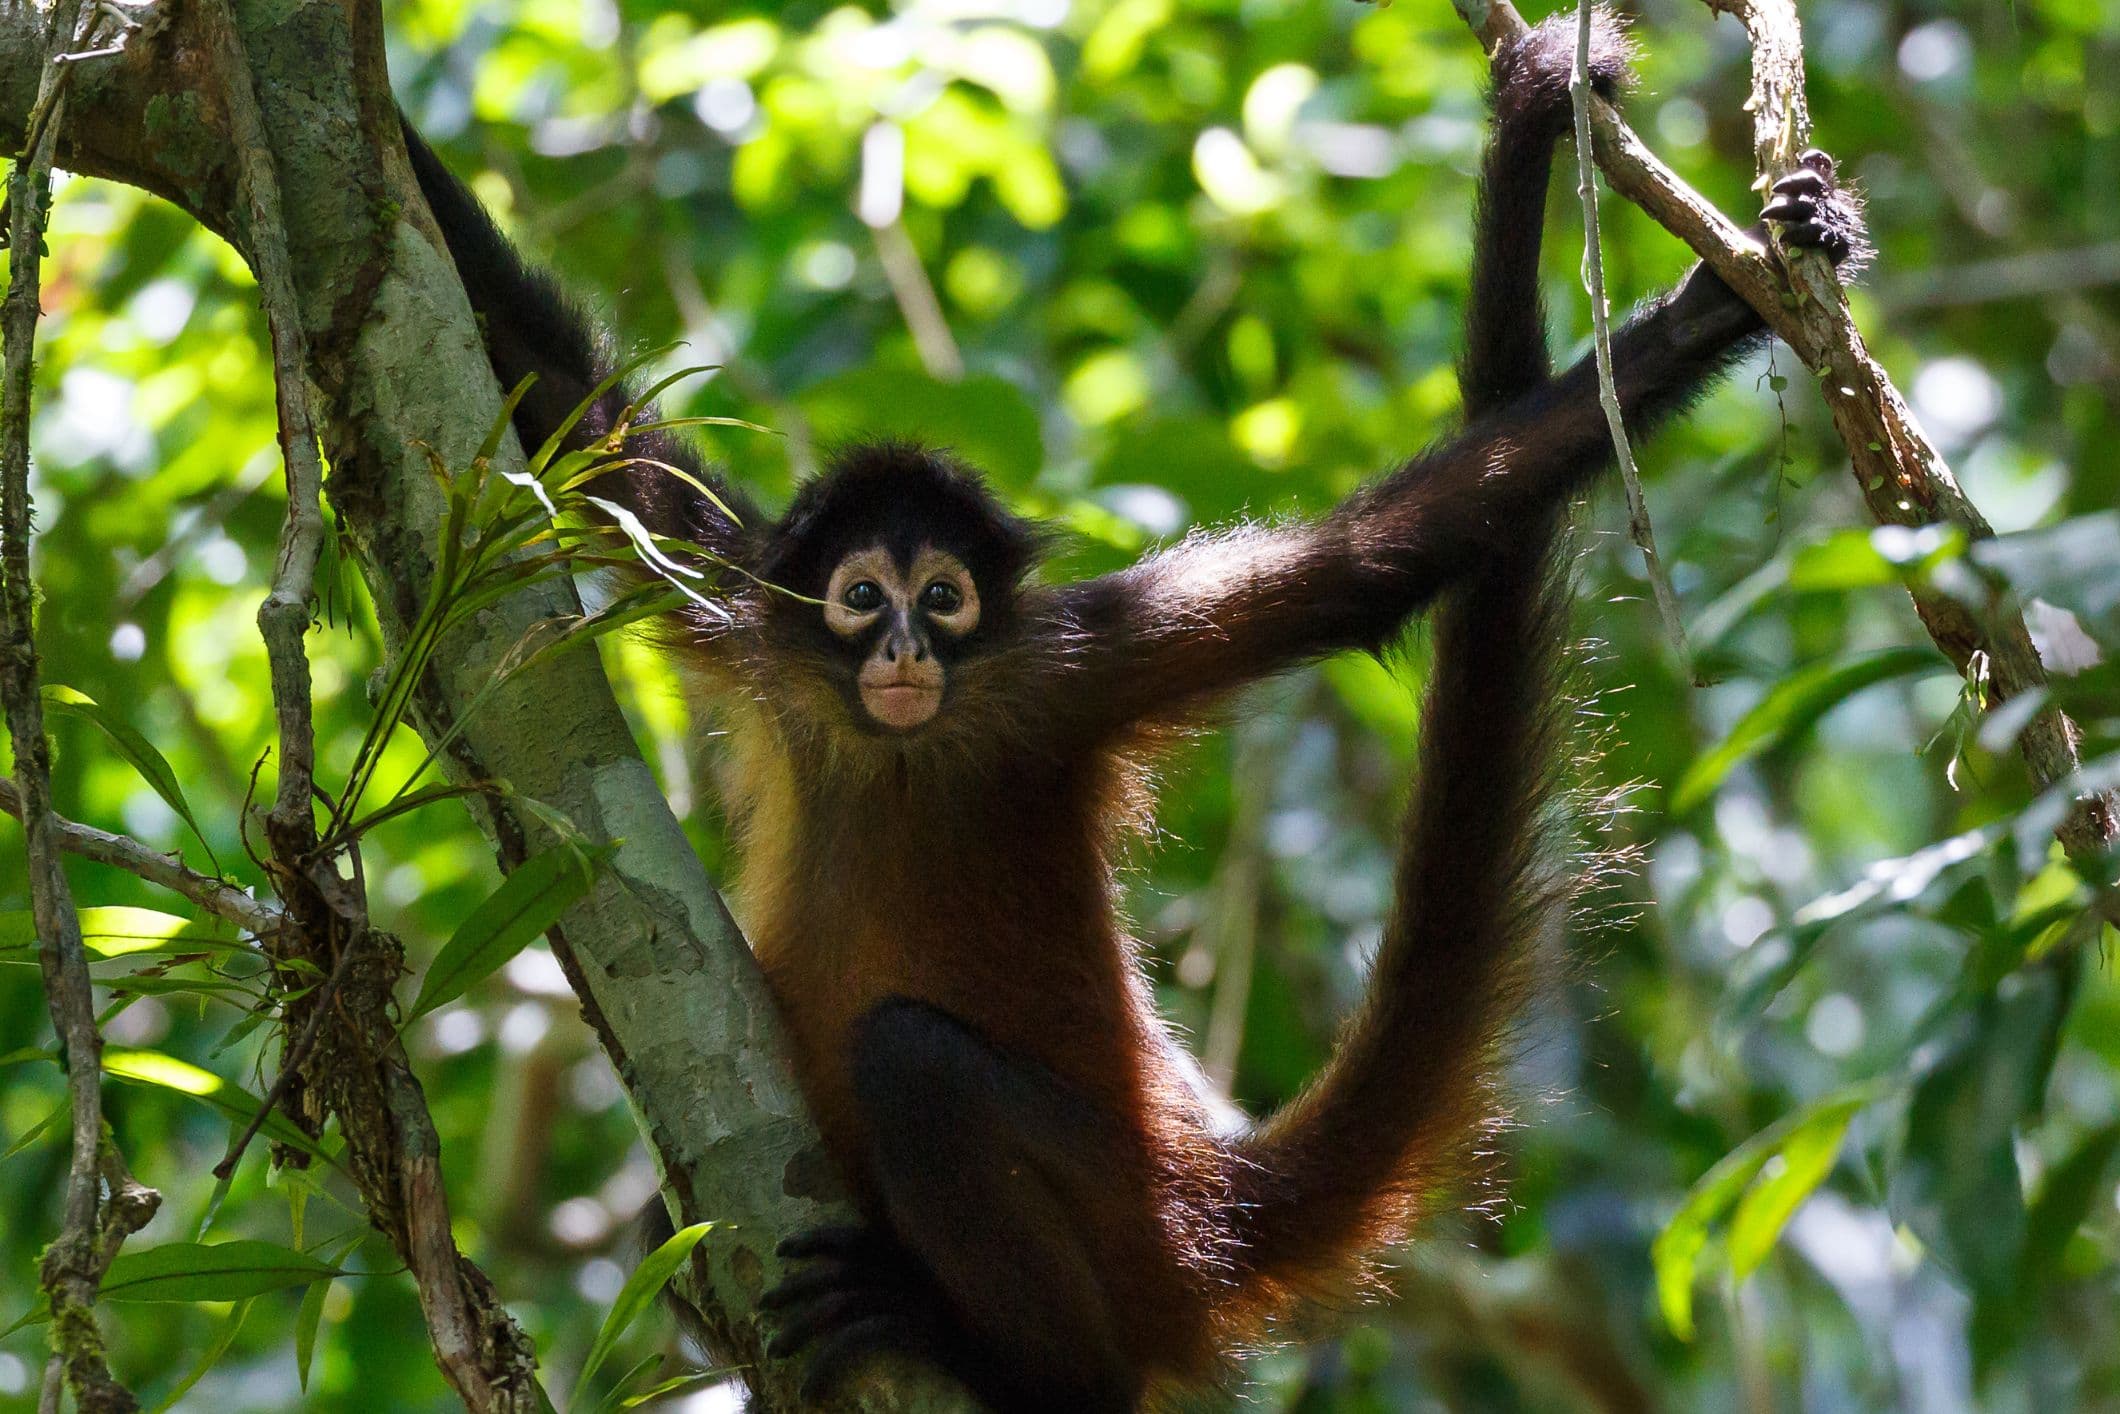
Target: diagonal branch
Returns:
[[222, 900], [1904, 480]]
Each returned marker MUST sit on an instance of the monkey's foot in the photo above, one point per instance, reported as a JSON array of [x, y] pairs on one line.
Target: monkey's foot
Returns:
[[857, 1294], [1814, 213]]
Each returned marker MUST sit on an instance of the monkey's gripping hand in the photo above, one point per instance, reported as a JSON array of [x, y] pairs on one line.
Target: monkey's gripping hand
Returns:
[[1816, 213]]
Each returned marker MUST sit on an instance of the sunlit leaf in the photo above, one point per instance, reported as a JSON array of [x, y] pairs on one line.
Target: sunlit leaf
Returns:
[[166, 1072], [1806, 1141]]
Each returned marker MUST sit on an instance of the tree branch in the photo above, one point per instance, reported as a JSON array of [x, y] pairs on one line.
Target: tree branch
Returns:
[[74, 1264], [221, 899], [1904, 480]]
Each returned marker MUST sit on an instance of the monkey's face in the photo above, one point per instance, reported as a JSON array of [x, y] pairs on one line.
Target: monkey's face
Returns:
[[902, 617]]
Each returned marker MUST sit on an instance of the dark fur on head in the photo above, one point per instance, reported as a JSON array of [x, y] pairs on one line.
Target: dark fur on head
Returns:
[[900, 495]]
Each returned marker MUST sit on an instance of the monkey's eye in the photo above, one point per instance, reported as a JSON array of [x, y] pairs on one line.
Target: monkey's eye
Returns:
[[942, 597], [863, 596]]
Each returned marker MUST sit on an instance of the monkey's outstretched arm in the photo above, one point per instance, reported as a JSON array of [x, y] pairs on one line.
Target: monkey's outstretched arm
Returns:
[[1168, 635], [531, 327]]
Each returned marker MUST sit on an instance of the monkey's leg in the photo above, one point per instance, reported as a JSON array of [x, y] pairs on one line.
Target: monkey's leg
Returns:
[[988, 1169]]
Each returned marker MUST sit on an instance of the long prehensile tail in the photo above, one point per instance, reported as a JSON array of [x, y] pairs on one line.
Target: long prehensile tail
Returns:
[[1394, 1122]]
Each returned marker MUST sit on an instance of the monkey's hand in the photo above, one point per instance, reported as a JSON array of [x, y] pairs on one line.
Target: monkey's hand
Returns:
[[858, 1294], [1815, 213], [1532, 74]]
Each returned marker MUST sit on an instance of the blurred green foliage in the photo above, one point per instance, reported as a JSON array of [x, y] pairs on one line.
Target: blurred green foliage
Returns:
[[1820, 1109]]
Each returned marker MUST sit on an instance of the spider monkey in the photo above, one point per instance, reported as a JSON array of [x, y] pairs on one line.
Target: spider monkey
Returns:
[[937, 760]]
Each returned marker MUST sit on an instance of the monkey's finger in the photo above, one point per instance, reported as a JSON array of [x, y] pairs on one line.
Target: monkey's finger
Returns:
[[1808, 234], [1818, 160], [812, 1282], [1803, 182], [827, 1313], [838, 1354], [1789, 211]]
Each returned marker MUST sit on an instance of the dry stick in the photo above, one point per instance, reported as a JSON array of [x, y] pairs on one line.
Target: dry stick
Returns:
[[1904, 480], [74, 1264], [1638, 526], [221, 899]]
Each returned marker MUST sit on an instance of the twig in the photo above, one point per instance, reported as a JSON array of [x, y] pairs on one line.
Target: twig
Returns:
[[71, 1270], [221, 899], [1904, 480], [1638, 526], [932, 338], [283, 619]]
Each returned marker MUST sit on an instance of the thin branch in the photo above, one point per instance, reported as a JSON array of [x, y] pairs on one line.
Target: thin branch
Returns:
[[908, 279], [1638, 526], [222, 900], [1903, 478], [283, 619], [73, 1265]]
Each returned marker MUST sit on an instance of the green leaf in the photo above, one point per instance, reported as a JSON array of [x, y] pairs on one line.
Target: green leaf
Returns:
[[168, 1073], [1792, 705], [2075, 565], [38, 1130], [122, 932], [692, 1380], [307, 1317], [529, 901], [219, 1271], [649, 1278], [2065, 1200], [1814, 1132], [153, 767], [1791, 1176]]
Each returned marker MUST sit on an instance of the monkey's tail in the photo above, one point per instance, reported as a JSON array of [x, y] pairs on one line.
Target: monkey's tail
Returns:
[[531, 327], [1394, 1123]]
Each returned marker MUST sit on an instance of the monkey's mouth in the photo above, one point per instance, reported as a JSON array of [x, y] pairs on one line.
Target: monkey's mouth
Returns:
[[901, 706]]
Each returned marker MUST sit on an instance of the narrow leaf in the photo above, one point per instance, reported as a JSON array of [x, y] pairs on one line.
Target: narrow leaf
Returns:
[[529, 901], [307, 1318], [209, 1357], [648, 1279], [221, 1271], [1794, 704], [153, 767], [168, 1073]]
